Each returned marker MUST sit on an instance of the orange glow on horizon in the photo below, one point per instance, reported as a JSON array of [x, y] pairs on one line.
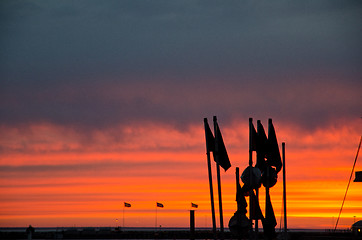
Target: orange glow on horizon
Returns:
[[53, 176]]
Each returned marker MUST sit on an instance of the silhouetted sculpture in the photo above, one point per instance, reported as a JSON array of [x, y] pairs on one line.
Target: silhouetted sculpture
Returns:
[[239, 223], [268, 164]]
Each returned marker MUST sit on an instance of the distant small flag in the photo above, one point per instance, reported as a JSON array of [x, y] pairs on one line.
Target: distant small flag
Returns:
[[194, 205], [127, 204], [159, 205]]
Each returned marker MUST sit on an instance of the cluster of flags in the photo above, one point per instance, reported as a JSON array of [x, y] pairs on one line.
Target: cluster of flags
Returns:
[[264, 172], [268, 165], [160, 205], [267, 149]]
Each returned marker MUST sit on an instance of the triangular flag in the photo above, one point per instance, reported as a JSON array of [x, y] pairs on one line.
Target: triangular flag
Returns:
[[262, 148], [255, 207], [269, 222], [220, 154], [253, 137], [273, 154], [210, 140]]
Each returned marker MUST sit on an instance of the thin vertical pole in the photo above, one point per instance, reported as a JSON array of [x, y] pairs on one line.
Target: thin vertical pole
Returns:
[[220, 201], [210, 184], [123, 216], [349, 181], [284, 193], [267, 188], [219, 186], [237, 175], [156, 219], [211, 196], [257, 189], [251, 172], [256, 220]]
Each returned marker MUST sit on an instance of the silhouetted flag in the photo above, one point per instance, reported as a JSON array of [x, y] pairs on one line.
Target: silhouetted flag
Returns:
[[254, 138], [127, 204], [269, 222], [261, 148], [358, 177], [273, 154], [220, 154], [210, 140], [255, 208], [194, 205], [159, 205]]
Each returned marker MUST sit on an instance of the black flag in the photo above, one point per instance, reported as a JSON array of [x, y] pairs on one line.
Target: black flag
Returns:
[[220, 154], [255, 207], [253, 138], [262, 147], [269, 222], [210, 140], [194, 205], [273, 154]]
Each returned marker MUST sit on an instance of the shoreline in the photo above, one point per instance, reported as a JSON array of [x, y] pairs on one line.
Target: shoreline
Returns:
[[159, 233]]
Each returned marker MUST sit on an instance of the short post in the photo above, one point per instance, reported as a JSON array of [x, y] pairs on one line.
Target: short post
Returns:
[[30, 230], [284, 194], [192, 224]]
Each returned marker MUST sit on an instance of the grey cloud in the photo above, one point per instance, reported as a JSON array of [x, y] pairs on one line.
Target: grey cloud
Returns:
[[190, 58]]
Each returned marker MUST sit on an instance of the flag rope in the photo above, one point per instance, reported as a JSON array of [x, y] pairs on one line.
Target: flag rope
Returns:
[[350, 177]]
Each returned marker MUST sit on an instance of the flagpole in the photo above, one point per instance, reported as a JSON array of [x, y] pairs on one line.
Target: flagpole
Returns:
[[257, 189], [219, 186], [156, 219], [123, 215], [267, 189], [211, 187], [251, 173], [257, 220], [220, 201], [211, 196], [284, 193], [237, 175]]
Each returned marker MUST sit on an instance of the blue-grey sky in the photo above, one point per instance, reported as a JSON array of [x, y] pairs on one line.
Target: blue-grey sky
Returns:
[[96, 64]]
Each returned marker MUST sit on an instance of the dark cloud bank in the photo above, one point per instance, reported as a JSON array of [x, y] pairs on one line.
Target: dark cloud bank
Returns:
[[104, 63]]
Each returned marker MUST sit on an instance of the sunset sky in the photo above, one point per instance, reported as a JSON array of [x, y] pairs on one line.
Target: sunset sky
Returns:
[[102, 102]]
